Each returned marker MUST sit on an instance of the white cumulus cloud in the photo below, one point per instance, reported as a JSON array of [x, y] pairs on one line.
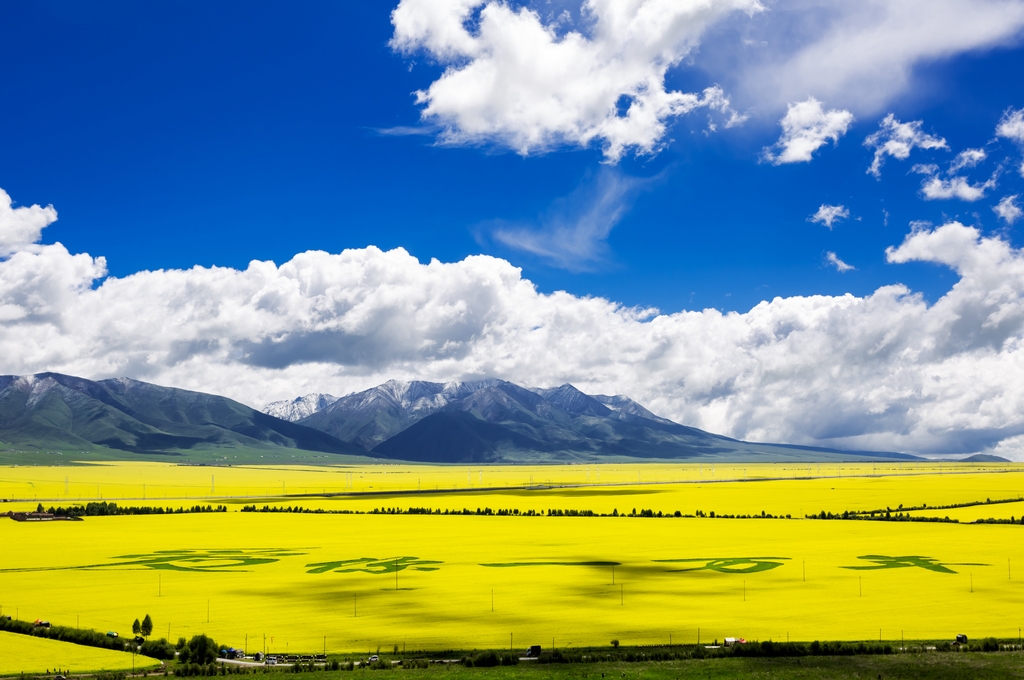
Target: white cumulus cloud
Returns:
[[1011, 125], [834, 260], [897, 139], [882, 371], [806, 127], [1008, 210], [955, 187], [514, 80], [23, 226], [967, 159], [829, 214]]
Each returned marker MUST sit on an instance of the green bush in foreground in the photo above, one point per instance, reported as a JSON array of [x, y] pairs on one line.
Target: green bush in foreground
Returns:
[[199, 650]]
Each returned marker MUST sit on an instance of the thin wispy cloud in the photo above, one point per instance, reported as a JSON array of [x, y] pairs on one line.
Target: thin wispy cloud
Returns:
[[573, 233], [860, 55], [833, 260]]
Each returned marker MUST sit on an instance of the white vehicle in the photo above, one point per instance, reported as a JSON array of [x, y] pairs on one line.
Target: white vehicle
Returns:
[[374, 658], [271, 661]]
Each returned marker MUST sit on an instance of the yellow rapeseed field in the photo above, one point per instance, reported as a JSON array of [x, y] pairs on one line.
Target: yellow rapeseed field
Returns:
[[24, 653], [359, 582], [730, 489]]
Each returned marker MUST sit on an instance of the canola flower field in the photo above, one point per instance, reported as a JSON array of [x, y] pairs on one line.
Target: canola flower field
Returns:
[[35, 655], [305, 582]]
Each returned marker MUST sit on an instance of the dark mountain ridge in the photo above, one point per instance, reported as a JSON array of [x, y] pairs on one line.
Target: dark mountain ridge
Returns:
[[487, 421], [498, 421], [55, 410]]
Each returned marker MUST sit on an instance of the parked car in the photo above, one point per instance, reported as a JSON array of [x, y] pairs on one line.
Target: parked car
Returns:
[[374, 658], [271, 661]]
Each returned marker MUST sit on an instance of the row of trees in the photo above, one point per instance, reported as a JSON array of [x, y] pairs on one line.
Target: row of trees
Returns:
[[103, 509]]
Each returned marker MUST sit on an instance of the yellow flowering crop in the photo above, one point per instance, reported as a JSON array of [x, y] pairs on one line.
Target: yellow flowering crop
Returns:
[[36, 655], [359, 582]]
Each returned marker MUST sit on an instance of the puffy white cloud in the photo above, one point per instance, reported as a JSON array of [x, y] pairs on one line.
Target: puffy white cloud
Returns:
[[955, 187], [834, 260], [967, 158], [883, 371], [23, 226], [1008, 210], [1011, 125], [806, 127], [512, 79], [859, 55], [531, 79], [829, 214], [897, 139]]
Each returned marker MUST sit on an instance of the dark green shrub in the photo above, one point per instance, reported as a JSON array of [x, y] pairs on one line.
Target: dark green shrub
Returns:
[[157, 649], [200, 649], [486, 659]]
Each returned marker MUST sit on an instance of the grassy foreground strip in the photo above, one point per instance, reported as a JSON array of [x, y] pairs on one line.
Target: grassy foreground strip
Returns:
[[906, 666], [922, 666]]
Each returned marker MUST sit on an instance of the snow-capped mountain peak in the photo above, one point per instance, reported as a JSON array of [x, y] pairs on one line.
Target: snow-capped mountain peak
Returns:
[[299, 408]]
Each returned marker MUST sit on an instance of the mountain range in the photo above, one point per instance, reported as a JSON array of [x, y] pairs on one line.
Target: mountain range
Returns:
[[53, 411], [492, 421], [486, 421]]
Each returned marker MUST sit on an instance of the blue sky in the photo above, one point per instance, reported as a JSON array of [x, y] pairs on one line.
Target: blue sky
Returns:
[[174, 135]]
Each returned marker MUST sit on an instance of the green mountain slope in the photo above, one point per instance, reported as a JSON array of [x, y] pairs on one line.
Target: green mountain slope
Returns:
[[50, 410]]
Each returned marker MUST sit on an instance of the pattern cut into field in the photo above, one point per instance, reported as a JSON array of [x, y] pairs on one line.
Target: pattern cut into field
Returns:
[[356, 582]]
